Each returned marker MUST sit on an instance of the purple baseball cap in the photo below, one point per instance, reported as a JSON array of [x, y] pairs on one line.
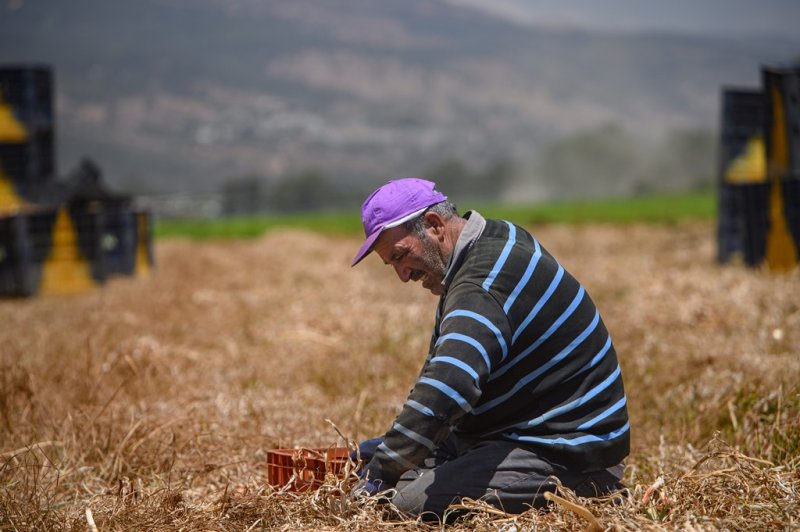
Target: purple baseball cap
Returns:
[[393, 204]]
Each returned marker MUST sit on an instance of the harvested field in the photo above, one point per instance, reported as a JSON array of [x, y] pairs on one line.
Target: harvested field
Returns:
[[151, 403]]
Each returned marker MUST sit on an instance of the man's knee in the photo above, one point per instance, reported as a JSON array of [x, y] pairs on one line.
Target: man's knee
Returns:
[[411, 492], [437, 499], [599, 484]]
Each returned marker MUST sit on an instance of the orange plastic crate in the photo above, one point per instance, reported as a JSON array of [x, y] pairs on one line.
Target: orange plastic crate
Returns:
[[304, 469]]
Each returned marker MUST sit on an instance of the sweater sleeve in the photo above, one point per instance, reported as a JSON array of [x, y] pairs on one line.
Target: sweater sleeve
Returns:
[[473, 338]]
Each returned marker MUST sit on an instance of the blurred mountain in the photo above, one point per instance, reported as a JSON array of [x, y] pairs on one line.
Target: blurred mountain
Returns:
[[178, 95]]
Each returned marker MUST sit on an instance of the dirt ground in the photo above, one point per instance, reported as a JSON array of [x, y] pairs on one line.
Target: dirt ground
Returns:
[[152, 402]]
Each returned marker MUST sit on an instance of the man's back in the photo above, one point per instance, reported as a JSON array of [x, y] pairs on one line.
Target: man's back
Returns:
[[553, 379]]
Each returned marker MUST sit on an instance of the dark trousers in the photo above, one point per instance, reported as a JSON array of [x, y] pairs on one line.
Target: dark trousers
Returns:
[[507, 476]]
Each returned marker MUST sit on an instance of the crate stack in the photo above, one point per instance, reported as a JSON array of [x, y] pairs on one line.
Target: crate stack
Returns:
[[782, 117], [743, 178], [27, 128], [759, 172], [57, 236]]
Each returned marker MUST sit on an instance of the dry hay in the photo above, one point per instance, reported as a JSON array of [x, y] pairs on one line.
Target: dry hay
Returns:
[[150, 404]]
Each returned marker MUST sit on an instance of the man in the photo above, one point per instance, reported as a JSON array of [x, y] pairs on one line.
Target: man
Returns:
[[521, 384]]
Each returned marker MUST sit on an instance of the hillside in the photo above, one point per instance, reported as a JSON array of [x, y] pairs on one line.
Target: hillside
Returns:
[[171, 95]]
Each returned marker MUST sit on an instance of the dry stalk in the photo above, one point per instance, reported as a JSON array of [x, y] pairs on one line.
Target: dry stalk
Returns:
[[473, 505], [90, 520], [658, 484], [594, 525], [31, 447]]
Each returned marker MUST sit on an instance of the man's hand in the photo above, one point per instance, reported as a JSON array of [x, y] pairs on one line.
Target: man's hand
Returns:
[[366, 487], [366, 450]]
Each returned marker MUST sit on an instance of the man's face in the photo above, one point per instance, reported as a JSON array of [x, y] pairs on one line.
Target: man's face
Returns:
[[413, 258]]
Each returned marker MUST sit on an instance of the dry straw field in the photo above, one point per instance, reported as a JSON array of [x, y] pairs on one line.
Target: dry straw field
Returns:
[[151, 403]]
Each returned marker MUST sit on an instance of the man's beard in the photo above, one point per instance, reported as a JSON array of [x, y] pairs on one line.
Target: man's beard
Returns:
[[434, 264]]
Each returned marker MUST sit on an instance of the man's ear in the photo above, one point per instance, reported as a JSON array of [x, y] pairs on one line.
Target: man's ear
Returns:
[[435, 223]]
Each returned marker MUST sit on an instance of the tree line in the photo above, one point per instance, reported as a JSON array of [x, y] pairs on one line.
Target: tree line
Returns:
[[606, 161]]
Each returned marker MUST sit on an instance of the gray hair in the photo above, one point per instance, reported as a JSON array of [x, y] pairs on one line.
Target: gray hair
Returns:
[[417, 225]]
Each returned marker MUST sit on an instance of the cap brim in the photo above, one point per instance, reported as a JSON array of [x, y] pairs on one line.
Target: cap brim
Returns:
[[370, 241], [366, 247]]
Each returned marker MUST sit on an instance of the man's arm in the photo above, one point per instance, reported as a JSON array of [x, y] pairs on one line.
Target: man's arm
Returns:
[[474, 339]]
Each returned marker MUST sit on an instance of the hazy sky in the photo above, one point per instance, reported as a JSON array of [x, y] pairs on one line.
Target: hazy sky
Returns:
[[708, 17]]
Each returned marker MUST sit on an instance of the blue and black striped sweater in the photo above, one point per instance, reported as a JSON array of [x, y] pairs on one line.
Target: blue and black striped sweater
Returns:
[[519, 352]]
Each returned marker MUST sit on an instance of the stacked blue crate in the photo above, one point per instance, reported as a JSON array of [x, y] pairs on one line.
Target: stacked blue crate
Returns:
[[782, 135], [759, 171], [56, 236], [743, 215]]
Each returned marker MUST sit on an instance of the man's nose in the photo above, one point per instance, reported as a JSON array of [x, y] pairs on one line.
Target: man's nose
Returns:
[[403, 272]]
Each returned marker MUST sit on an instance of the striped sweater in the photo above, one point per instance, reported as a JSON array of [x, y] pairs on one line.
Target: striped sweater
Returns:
[[519, 352]]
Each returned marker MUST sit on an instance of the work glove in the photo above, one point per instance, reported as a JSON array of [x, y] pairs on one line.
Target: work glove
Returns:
[[366, 449], [366, 487]]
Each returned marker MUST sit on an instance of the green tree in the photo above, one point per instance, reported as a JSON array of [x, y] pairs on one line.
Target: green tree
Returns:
[[452, 177], [243, 195], [304, 191], [685, 159], [462, 184], [604, 161]]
